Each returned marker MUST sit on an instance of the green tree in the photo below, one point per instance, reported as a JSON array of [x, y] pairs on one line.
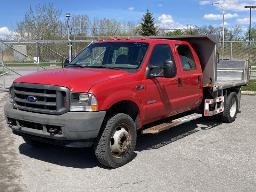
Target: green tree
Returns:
[[147, 27], [176, 32], [188, 31], [253, 34]]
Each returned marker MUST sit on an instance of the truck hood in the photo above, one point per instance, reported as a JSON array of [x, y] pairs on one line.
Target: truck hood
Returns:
[[76, 79]]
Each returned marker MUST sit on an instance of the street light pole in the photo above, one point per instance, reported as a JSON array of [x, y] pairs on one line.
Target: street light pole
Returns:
[[69, 40], [250, 25], [223, 26], [223, 31]]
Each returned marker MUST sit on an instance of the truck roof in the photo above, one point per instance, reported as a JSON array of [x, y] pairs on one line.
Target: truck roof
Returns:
[[212, 39], [142, 40], [149, 39]]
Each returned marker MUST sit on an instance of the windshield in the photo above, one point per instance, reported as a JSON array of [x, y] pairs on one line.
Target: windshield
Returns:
[[115, 55]]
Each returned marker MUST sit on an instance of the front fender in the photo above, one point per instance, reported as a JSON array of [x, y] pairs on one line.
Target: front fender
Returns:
[[120, 96], [110, 100]]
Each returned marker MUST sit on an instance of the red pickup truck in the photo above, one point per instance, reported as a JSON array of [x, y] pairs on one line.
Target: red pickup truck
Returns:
[[116, 87]]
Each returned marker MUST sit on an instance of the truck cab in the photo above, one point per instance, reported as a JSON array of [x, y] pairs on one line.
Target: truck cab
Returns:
[[116, 87], [170, 95]]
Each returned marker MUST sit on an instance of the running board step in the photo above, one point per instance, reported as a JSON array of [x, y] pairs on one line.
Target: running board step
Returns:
[[167, 125]]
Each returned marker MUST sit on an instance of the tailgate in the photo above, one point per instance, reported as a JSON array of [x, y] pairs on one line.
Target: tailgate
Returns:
[[232, 71]]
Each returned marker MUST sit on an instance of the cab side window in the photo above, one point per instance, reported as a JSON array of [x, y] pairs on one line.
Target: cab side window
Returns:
[[160, 54], [186, 57]]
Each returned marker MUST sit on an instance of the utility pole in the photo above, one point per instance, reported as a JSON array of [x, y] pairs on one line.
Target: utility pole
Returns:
[[68, 15], [250, 25]]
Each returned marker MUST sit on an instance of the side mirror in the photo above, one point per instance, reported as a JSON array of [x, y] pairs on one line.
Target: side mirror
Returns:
[[169, 69], [66, 62], [154, 71]]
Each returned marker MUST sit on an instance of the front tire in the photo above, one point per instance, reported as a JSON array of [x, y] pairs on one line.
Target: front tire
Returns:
[[230, 108], [116, 145]]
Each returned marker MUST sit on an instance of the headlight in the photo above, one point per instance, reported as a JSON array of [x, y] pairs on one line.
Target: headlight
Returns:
[[11, 94], [83, 102]]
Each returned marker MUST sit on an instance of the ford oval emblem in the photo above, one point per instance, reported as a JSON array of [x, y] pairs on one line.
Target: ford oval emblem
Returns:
[[32, 99]]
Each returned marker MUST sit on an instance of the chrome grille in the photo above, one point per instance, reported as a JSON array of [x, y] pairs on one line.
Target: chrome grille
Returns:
[[41, 98]]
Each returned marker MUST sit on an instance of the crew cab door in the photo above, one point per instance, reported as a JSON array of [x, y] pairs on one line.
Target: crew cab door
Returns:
[[163, 94], [190, 79]]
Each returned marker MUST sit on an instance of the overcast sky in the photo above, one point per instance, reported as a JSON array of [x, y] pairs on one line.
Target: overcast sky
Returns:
[[167, 13]]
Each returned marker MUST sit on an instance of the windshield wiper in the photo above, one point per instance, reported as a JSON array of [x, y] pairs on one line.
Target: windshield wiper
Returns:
[[72, 65], [92, 66], [101, 66], [95, 66]]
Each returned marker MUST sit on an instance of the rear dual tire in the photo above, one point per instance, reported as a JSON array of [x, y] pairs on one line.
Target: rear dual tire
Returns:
[[230, 108]]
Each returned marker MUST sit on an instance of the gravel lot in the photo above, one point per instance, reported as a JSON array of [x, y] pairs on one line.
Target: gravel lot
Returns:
[[198, 156]]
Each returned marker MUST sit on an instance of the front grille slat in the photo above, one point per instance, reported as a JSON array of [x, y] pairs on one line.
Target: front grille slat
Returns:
[[37, 103], [35, 94], [45, 98]]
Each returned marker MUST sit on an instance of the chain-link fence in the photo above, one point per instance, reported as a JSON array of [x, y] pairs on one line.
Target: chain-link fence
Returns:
[[38, 52], [20, 58]]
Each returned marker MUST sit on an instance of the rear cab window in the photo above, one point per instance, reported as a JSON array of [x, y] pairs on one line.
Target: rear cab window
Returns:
[[186, 57], [120, 55]]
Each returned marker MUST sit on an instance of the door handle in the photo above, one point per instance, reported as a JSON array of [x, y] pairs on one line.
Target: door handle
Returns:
[[199, 79], [139, 87], [179, 82]]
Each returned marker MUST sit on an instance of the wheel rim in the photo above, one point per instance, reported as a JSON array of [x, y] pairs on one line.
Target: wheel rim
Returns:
[[233, 108], [119, 142]]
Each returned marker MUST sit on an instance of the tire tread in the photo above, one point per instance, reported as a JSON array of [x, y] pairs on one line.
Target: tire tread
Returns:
[[101, 147], [226, 118]]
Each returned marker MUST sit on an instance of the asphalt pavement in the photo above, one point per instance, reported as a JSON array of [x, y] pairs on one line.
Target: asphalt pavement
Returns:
[[197, 156]]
